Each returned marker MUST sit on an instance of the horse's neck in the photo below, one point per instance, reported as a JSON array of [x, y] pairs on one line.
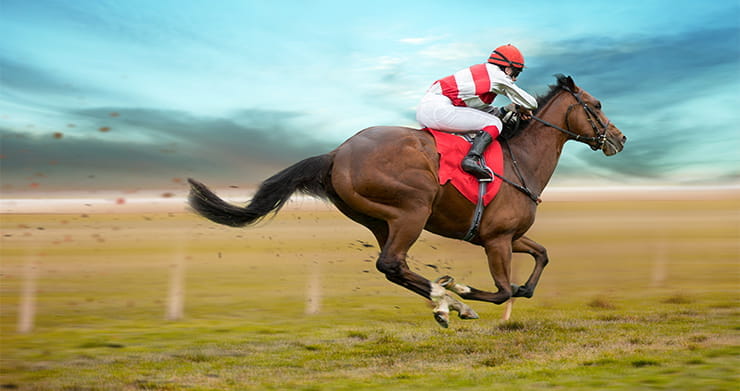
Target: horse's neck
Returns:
[[537, 148]]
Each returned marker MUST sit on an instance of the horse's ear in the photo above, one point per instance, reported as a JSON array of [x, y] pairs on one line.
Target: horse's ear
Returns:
[[566, 81], [571, 83]]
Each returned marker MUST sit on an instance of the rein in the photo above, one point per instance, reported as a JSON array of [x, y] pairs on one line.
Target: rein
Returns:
[[596, 142], [523, 187]]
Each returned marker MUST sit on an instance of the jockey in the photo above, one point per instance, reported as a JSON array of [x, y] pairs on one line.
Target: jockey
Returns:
[[462, 103]]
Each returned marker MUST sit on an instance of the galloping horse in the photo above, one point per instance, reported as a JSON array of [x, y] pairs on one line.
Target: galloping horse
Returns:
[[385, 178]]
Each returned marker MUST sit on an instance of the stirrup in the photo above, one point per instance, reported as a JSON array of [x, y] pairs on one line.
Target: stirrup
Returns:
[[488, 178], [477, 170]]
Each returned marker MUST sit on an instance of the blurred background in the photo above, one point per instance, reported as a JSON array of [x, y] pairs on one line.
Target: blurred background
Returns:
[[106, 107], [110, 95]]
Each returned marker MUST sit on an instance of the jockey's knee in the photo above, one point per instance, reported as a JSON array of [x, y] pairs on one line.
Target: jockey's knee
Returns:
[[493, 130]]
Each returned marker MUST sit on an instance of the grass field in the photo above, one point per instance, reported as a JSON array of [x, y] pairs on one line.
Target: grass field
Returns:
[[638, 295]]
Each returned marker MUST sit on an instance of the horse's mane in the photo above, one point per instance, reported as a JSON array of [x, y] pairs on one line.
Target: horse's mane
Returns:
[[562, 82]]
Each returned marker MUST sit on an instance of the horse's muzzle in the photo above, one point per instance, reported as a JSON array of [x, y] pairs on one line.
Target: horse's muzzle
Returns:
[[615, 141]]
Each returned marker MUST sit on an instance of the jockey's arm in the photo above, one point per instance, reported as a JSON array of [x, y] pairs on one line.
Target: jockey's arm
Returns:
[[522, 102], [515, 94]]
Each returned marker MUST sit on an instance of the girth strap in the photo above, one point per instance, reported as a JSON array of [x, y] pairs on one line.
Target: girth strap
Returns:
[[482, 188], [478, 214]]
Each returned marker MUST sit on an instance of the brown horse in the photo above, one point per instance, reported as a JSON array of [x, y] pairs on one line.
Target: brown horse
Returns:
[[385, 178]]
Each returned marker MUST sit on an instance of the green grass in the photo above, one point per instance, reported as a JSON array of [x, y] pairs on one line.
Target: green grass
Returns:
[[637, 297]]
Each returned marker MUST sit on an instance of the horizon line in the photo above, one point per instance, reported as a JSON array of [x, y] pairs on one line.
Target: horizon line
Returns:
[[111, 201]]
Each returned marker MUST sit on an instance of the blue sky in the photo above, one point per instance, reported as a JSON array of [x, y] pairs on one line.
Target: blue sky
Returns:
[[105, 94]]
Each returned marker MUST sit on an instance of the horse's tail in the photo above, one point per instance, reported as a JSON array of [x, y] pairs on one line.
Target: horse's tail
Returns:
[[308, 176]]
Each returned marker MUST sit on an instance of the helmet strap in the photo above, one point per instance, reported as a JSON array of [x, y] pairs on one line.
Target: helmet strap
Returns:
[[511, 63]]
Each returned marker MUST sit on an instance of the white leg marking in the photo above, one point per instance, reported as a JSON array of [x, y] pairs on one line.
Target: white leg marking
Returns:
[[442, 309], [438, 292], [444, 302], [461, 289]]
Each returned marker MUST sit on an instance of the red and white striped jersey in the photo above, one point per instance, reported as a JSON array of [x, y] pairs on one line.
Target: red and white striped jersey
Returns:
[[478, 85]]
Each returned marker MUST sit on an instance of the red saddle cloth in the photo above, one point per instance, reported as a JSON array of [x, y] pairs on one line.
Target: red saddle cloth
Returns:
[[452, 149]]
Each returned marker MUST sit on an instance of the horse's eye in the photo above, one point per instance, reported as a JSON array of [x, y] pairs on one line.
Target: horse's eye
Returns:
[[598, 105]]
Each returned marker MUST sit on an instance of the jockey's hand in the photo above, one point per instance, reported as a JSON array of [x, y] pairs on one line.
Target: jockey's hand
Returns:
[[510, 107], [524, 114]]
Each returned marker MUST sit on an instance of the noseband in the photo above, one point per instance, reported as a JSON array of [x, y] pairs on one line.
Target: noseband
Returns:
[[596, 142]]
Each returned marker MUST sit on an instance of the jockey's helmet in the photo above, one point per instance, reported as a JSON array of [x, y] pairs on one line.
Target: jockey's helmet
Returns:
[[507, 55]]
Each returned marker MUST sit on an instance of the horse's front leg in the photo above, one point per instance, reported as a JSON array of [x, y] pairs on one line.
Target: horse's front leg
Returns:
[[500, 266], [499, 263], [539, 253]]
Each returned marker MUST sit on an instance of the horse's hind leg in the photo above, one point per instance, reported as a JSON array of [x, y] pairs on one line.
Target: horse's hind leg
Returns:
[[395, 239], [539, 253], [378, 227], [402, 233]]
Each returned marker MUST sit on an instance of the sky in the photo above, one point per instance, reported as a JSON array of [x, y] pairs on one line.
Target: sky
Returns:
[[138, 94]]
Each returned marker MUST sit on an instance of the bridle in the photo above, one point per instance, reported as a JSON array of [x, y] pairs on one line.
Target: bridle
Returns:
[[596, 142]]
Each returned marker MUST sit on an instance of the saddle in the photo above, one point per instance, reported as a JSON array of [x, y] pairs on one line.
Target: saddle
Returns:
[[452, 147]]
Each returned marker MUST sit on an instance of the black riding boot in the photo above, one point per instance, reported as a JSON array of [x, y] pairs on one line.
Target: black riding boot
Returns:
[[472, 161]]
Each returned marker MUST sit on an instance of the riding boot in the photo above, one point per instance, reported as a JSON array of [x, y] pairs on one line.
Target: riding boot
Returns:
[[472, 161]]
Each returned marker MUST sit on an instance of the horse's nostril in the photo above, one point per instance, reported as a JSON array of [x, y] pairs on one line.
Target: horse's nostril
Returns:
[[624, 139]]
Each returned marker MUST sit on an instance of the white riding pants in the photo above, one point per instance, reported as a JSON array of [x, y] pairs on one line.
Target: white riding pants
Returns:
[[437, 112]]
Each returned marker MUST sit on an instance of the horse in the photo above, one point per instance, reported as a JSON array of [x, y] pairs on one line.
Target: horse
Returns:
[[385, 178]]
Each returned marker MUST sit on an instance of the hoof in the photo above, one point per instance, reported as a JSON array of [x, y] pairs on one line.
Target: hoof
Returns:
[[520, 291], [468, 314], [442, 318], [463, 310]]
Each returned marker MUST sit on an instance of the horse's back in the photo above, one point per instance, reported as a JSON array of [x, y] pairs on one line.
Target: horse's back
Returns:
[[388, 136], [386, 148], [383, 168]]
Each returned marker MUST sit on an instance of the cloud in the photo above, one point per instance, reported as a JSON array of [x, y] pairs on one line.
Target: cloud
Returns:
[[244, 149], [663, 95], [645, 62], [450, 52], [419, 40], [260, 132], [70, 163], [382, 63], [26, 78], [669, 92]]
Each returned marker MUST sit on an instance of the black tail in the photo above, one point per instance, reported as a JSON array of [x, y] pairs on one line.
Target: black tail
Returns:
[[307, 176]]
